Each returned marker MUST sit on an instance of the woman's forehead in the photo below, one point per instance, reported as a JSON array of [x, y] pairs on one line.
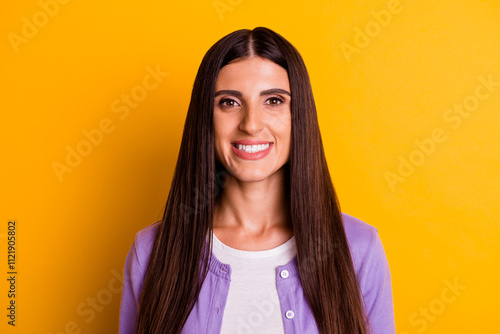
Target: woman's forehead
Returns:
[[253, 71]]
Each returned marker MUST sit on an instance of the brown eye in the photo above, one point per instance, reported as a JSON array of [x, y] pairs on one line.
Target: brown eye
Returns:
[[227, 103], [275, 101]]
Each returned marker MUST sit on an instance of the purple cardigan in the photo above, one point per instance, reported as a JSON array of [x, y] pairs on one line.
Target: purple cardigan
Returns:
[[370, 263]]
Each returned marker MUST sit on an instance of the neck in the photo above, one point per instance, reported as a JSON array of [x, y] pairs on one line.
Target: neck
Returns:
[[253, 207]]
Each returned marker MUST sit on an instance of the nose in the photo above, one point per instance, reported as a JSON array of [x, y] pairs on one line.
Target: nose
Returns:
[[252, 121]]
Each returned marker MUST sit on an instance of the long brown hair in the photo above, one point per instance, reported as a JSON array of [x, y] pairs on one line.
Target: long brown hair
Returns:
[[178, 264]]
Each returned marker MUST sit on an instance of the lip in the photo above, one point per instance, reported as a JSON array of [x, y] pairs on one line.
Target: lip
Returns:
[[251, 142], [252, 156]]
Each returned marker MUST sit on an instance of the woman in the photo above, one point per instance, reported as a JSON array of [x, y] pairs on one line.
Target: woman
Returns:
[[252, 238]]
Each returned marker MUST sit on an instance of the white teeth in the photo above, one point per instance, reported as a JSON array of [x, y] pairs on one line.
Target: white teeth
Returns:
[[253, 148]]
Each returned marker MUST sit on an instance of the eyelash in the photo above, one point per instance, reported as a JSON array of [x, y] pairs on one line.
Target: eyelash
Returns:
[[222, 101]]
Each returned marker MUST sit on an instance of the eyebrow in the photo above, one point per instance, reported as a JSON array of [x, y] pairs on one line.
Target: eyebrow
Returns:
[[264, 92]]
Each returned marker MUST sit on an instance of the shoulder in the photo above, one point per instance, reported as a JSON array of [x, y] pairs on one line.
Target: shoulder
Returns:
[[144, 240], [364, 242], [368, 254], [148, 233], [373, 273], [360, 235]]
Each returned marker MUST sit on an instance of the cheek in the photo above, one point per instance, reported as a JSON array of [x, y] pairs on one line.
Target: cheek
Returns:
[[287, 136], [219, 153], [223, 128], [220, 140], [284, 127], [217, 141]]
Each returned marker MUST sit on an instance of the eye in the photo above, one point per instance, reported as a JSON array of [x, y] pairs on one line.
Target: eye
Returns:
[[275, 101], [228, 103]]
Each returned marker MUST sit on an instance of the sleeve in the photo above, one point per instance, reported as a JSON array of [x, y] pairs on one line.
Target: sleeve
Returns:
[[377, 289], [133, 277]]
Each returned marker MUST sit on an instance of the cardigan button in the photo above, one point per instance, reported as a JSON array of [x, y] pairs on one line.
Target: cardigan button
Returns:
[[289, 314], [284, 273]]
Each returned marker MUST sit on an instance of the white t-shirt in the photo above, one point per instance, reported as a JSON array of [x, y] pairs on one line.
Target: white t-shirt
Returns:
[[252, 305]]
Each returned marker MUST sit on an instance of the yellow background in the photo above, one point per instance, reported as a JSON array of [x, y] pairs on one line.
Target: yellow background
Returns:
[[439, 225]]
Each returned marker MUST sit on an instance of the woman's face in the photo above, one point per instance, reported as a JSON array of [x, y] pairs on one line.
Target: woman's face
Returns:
[[252, 108]]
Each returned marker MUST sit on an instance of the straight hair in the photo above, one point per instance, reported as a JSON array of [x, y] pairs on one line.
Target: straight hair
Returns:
[[178, 263]]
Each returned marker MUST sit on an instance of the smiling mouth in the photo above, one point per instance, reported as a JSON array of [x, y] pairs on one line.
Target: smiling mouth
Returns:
[[252, 148]]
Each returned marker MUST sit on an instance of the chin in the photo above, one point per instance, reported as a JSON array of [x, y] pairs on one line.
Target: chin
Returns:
[[252, 175]]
